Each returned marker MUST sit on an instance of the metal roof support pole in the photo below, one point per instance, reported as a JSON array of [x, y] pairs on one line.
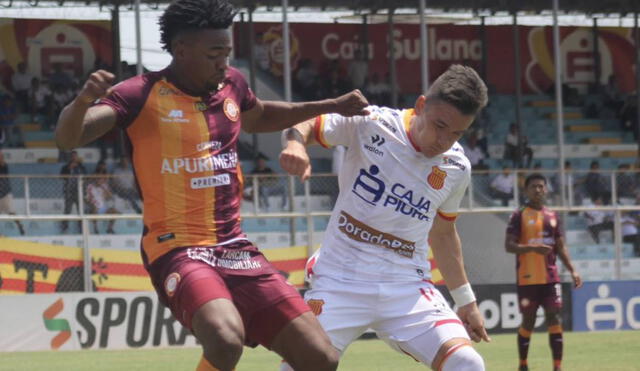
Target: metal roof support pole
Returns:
[[252, 68], [138, 39], [559, 109], [597, 76], [424, 58], [286, 52], [115, 31], [485, 54], [636, 33], [392, 63], [518, 81]]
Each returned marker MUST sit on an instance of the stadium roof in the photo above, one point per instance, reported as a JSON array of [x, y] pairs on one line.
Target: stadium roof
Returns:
[[621, 7]]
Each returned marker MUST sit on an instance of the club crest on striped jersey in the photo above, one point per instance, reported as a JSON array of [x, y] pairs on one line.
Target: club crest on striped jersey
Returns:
[[436, 178], [231, 109], [315, 305], [171, 283]]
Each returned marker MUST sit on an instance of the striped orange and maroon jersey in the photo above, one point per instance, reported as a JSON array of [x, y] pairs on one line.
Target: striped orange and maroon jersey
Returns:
[[531, 226], [185, 159]]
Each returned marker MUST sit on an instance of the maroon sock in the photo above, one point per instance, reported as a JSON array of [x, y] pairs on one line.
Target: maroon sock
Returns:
[[555, 342], [524, 338]]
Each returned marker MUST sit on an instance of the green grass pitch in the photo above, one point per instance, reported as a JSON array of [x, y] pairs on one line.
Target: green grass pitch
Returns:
[[616, 351]]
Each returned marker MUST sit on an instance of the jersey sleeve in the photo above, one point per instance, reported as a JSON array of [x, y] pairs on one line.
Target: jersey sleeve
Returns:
[[449, 208], [247, 99], [127, 99], [333, 129], [513, 227]]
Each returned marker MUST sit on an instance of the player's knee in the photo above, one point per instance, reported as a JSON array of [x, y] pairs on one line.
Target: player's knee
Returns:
[[325, 359], [463, 359]]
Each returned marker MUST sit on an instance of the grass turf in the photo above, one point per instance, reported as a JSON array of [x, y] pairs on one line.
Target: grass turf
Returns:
[[583, 351]]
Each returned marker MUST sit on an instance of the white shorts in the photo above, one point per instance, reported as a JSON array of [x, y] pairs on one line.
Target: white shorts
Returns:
[[398, 313]]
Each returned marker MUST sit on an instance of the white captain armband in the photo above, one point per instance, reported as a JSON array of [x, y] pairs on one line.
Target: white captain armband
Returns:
[[463, 295]]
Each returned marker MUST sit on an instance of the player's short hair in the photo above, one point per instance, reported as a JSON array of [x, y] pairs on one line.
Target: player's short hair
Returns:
[[461, 87], [194, 15], [534, 176]]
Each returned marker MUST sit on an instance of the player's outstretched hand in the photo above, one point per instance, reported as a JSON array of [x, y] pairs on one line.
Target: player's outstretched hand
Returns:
[[295, 160], [97, 86], [473, 322], [352, 104], [577, 280]]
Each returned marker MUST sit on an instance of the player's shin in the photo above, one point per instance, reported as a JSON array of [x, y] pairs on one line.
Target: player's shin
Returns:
[[556, 342], [524, 338]]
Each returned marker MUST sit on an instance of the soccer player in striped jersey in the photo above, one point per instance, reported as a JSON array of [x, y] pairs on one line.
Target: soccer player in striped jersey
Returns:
[[535, 235], [401, 182], [182, 124]]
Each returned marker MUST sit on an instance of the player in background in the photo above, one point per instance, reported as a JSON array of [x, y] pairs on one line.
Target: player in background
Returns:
[[401, 183], [535, 235], [182, 124]]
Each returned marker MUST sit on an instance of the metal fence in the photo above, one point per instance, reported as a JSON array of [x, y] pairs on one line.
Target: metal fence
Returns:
[[600, 210]]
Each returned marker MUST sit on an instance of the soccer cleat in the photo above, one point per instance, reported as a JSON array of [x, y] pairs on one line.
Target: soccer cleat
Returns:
[[523, 368]]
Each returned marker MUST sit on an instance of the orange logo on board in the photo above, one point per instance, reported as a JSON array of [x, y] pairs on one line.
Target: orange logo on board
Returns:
[[436, 178], [231, 109], [315, 305]]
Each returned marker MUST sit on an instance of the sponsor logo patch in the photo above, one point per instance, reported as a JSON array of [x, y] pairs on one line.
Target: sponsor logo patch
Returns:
[[315, 305], [436, 178], [166, 237], [200, 106], [171, 283], [231, 109], [361, 232]]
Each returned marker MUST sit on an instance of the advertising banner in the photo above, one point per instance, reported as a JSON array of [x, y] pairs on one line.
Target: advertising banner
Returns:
[[77, 45], [607, 305], [88, 321], [499, 306], [448, 44]]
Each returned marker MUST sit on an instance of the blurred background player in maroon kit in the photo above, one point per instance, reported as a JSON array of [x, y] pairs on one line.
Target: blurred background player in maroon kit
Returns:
[[535, 235], [183, 125]]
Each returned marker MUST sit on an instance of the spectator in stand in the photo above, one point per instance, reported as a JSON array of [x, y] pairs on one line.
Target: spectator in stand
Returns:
[[268, 185], [628, 115], [99, 196], [335, 85], [6, 197], [625, 182], [612, 95], [59, 78], [40, 101], [124, 184], [501, 186], [596, 186], [306, 80], [511, 153], [473, 152], [261, 52], [358, 70], [598, 220], [527, 153], [378, 91], [71, 170], [8, 113], [60, 97], [21, 82], [630, 231]]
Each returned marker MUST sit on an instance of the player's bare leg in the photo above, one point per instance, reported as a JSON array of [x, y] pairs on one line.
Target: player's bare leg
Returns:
[[554, 326], [524, 337], [219, 328], [305, 346]]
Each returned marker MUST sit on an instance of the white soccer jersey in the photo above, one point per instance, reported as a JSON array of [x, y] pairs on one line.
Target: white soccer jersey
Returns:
[[390, 194]]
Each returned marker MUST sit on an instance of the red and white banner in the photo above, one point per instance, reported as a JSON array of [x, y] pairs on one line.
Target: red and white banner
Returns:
[[448, 44]]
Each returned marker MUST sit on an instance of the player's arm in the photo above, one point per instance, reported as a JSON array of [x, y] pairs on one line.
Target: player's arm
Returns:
[[268, 116], [512, 246], [294, 158], [563, 254], [79, 123], [447, 251]]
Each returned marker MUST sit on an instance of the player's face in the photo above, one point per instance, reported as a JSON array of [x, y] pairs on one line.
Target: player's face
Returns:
[[440, 125], [205, 55], [537, 191]]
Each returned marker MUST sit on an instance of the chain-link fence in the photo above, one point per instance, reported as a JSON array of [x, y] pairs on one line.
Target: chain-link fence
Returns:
[[66, 226]]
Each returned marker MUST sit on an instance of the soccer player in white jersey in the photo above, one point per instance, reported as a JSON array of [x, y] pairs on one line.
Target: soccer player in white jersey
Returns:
[[401, 183]]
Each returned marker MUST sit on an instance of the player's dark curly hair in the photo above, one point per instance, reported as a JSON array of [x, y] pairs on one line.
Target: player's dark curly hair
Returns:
[[193, 15], [461, 87], [534, 176]]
